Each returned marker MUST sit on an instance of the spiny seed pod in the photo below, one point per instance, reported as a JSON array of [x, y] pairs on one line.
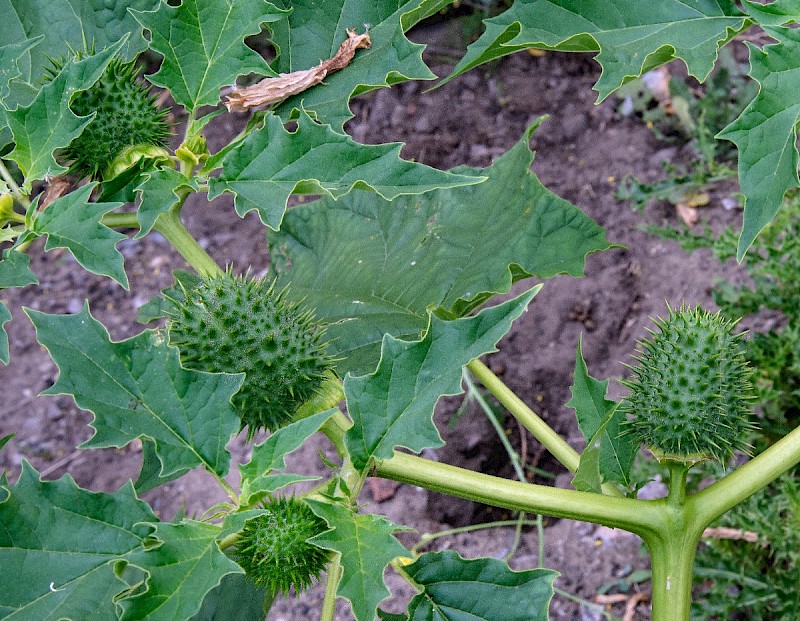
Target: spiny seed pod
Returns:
[[125, 116], [273, 547], [690, 394], [237, 324]]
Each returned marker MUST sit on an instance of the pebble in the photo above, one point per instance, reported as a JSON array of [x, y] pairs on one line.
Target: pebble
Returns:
[[74, 305]]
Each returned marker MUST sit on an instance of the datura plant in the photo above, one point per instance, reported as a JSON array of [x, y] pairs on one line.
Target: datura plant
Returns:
[[374, 306]]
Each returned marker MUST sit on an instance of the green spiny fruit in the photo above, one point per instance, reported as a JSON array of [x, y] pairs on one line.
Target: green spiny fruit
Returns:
[[273, 547], [690, 394], [237, 324], [126, 117]]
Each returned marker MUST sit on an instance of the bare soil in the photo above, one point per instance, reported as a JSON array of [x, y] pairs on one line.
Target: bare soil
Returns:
[[583, 151]]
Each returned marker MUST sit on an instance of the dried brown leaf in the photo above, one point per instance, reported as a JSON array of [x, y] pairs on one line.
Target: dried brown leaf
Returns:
[[272, 90], [688, 214], [722, 532]]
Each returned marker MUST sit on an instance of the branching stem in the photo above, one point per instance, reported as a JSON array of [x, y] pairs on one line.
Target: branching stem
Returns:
[[16, 192], [170, 226]]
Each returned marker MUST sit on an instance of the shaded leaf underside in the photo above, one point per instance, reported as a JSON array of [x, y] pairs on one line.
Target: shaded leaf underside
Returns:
[[371, 267]]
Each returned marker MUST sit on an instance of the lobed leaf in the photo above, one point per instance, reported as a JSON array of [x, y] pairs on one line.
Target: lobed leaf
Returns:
[[778, 13], [370, 267], [313, 32], [61, 544], [629, 36], [766, 133], [183, 563], [48, 123], [271, 454], [367, 546], [137, 389], [10, 55], [394, 405], [235, 599], [14, 272], [73, 222], [609, 453], [159, 193], [202, 42], [455, 589], [271, 164], [67, 25]]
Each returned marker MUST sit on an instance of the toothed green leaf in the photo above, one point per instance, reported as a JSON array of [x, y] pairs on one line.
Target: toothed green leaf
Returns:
[[367, 546], [778, 13], [271, 164], [14, 272], [183, 563], [202, 42], [456, 589], [158, 194], [394, 405], [72, 222], [137, 388], [766, 133], [235, 599], [630, 37], [270, 455], [48, 123], [314, 32], [10, 55], [609, 454], [61, 544], [371, 267], [67, 25]]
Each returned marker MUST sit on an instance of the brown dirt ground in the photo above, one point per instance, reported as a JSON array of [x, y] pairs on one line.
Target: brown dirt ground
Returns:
[[583, 150]]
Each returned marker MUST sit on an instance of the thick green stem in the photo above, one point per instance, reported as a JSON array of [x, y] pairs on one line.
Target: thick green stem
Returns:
[[126, 220], [540, 430], [550, 439], [637, 516], [677, 483], [743, 482], [334, 575], [672, 558], [170, 226]]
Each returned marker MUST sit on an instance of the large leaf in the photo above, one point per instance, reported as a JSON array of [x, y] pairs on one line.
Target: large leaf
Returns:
[[313, 32], [183, 562], [48, 123], [394, 406], [72, 222], [14, 272], [631, 37], [271, 164], [766, 133], [10, 55], [235, 599], [775, 13], [609, 453], [67, 25], [137, 388], [202, 42], [455, 589], [59, 545], [371, 267], [367, 546]]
